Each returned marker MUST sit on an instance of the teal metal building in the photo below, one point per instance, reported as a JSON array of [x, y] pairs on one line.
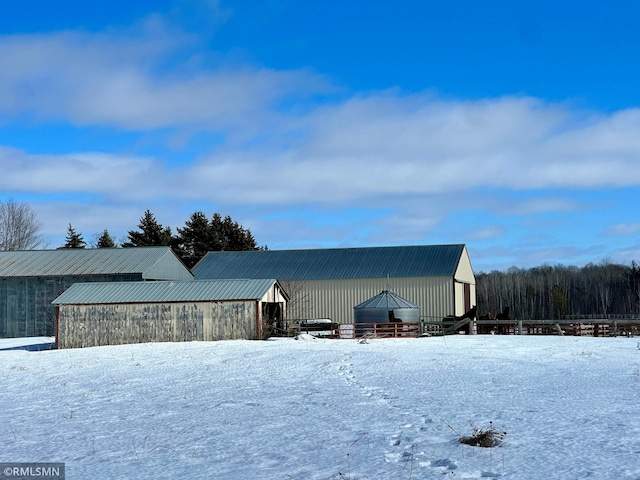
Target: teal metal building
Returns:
[[31, 280]]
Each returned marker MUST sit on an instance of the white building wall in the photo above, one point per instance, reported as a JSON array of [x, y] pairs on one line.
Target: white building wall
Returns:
[[464, 272], [274, 295], [464, 276]]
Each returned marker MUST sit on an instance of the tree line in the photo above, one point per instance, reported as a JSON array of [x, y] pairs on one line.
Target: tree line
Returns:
[[20, 230], [557, 292], [198, 236]]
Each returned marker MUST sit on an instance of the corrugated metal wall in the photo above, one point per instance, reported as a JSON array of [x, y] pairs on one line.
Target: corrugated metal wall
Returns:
[[25, 302], [335, 299], [168, 267], [117, 324]]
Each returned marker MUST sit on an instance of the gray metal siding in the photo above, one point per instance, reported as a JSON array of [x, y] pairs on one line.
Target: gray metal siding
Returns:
[[25, 303], [167, 267]]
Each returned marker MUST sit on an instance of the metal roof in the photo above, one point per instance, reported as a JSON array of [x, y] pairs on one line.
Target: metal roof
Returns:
[[161, 291], [336, 263], [386, 299], [80, 261]]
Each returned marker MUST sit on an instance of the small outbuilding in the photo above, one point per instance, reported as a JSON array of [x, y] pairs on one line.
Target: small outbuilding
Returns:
[[93, 314]]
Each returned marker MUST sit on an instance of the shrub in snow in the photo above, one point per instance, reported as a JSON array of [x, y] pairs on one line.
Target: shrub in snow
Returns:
[[483, 437]]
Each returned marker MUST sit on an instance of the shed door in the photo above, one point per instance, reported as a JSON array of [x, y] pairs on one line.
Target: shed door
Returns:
[[467, 297], [272, 313]]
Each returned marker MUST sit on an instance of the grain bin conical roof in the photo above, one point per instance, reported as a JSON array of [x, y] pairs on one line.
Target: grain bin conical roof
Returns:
[[386, 300], [384, 308]]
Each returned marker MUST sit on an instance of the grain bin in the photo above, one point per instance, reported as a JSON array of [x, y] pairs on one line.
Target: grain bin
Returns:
[[384, 308]]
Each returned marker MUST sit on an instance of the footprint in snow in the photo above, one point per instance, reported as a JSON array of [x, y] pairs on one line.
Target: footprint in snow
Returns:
[[444, 463], [490, 475]]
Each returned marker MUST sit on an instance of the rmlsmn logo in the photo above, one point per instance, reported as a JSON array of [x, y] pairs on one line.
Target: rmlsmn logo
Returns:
[[26, 471]]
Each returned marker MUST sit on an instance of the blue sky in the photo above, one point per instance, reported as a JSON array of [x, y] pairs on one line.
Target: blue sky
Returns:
[[512, 127]]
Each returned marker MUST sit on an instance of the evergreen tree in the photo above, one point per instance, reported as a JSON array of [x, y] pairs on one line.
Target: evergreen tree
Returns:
[[218, 237], [105, 241], [195, 239], [230, 235], [200, 236], [236, 237], [151, 233], [74, 239]]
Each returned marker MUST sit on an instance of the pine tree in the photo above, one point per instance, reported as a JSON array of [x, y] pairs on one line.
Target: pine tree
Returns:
[[151, 233], [194, 240], [231, 235], [200, 236], [105, 241], [218, 239], [74, 239]]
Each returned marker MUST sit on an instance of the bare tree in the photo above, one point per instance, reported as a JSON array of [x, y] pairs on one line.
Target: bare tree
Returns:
[[299, 306], [19, 226], [547, 292]]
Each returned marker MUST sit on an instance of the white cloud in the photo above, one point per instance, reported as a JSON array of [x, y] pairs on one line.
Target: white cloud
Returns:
[[627, 255], [393, 145], [373, 150], [539, 205], [84, 173], [138, 79], [504, 257], [622, 230], [487, 233], [384, 144]]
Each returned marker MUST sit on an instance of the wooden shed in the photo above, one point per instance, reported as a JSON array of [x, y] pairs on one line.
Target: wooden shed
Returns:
[[31, 280], [93, 314], [329, 283]]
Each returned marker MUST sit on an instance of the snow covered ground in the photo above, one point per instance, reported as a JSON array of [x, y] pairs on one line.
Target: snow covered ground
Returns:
[[327, 409], [32, 343]]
